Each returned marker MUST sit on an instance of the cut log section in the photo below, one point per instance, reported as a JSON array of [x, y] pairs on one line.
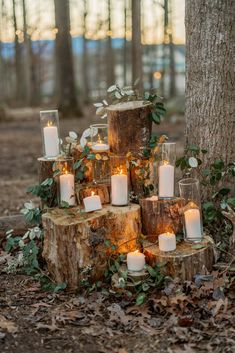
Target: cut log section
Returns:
[[76, 242], [129, 127], [85, 190], [45, 170], [160, 216], [185, 262]]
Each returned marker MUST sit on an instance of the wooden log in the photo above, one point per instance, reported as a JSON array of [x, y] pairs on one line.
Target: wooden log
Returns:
[[129, 127], [85, 190], [75, 242], [16, 222], [185, 262], [160, 216], [45, 170]]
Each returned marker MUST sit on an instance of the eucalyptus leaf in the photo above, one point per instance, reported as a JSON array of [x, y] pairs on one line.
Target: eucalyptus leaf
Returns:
[[193, 162]]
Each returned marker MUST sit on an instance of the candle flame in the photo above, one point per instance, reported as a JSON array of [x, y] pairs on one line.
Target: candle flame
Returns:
[[136, 251], [64, 171], [165, 162], [99, 139], [49, 123], [92, 193]]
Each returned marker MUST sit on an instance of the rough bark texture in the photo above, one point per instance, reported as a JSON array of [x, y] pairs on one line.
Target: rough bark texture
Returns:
[[103, 190], [75, 241], [160, 216], [210, 77], [231, 217], [45, 170], [129, 127], [16, 222], [185, 262]]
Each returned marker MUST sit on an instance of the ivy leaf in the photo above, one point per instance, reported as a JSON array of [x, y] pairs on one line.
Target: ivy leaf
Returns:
[[140, 299], [156, 118], [193, 162], [219, 164], [77, 164], [59, 287]]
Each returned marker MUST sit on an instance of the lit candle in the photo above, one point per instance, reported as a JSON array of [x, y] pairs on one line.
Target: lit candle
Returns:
[[67, 188], [100, 146], [193, 223], [135, 261], [92, 203], [166, 180], [51, 140], [119, 189], [167, 242]]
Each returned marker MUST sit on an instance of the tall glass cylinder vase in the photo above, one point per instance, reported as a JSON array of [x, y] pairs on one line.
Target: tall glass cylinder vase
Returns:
[[166, 170], [119, 180], [192, 216], [50, 133], [66, 181]]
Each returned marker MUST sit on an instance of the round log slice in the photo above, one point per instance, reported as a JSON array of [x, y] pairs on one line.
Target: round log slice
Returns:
[[185, 262], [129, 127]]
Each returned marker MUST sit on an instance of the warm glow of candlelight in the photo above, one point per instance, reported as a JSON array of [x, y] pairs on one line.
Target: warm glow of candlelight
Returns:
[[64, 171], [99, 139], [92, 193], [49, 123], [165, 162]]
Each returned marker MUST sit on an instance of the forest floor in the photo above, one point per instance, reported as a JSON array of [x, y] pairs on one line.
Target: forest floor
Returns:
[[194, 317]]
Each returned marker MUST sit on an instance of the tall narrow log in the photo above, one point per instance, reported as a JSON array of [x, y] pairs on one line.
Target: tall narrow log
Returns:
[[76, 242], [129, 127], [160, 216]]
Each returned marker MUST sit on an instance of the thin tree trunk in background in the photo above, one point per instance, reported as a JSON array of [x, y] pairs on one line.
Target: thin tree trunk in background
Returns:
[[18, 62], [137, 69], [67, 99], [27, 58], [210, 77], [171, 56], [1, 57], [164, 48], [110, 56], [84, 55], [125, 45]]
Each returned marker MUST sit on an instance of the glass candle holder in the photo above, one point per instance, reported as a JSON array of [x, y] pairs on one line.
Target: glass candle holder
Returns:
[[101, 169], [192, 215], [119, 180], [50, 133], [99, 138], [66, 181], [166, 170]]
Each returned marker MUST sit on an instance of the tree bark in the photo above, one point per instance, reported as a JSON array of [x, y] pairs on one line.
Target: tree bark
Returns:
[[129, 127], [75, 241], [84, 55], [67, 99], [210, 77], [137, 66]]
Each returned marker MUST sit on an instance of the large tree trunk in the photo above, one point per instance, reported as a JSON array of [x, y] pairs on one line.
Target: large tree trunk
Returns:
[[137, 69], [67, 100], [110, 56], [84, 55], [210, 77]]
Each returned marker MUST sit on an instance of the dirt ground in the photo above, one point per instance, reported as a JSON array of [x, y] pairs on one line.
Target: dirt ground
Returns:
[[178, 319]]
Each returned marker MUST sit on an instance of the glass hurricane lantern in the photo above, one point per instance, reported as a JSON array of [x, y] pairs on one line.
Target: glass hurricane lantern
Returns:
[[65, 181], [50, 133]]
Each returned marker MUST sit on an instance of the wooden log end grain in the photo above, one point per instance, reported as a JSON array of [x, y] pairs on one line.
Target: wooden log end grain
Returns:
[[185, 262], [130, 127], [75, 241]]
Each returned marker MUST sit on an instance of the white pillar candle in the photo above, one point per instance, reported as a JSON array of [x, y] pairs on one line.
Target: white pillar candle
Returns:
[[166, 180], [119, 189], [67, 188], [100, 147], [51, 140], [92, 203], [193, 223], [135, 261], [167, 241]]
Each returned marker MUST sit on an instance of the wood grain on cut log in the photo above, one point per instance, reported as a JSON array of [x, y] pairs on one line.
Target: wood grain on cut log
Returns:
[[85, 190], [185, 262], [129, 127], [16, 222], [45, 170], [75, 241], [160, 216]]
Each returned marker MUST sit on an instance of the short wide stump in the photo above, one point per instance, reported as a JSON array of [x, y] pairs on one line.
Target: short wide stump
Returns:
[[185, 262]]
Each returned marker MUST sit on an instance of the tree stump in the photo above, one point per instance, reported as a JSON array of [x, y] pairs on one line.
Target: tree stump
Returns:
[[85, 190], [129, 127], [160, 216], [185, 262], [45, 170], [75, 242]]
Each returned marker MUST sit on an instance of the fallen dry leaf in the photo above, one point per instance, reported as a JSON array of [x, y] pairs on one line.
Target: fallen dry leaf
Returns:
[[7, 325]]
